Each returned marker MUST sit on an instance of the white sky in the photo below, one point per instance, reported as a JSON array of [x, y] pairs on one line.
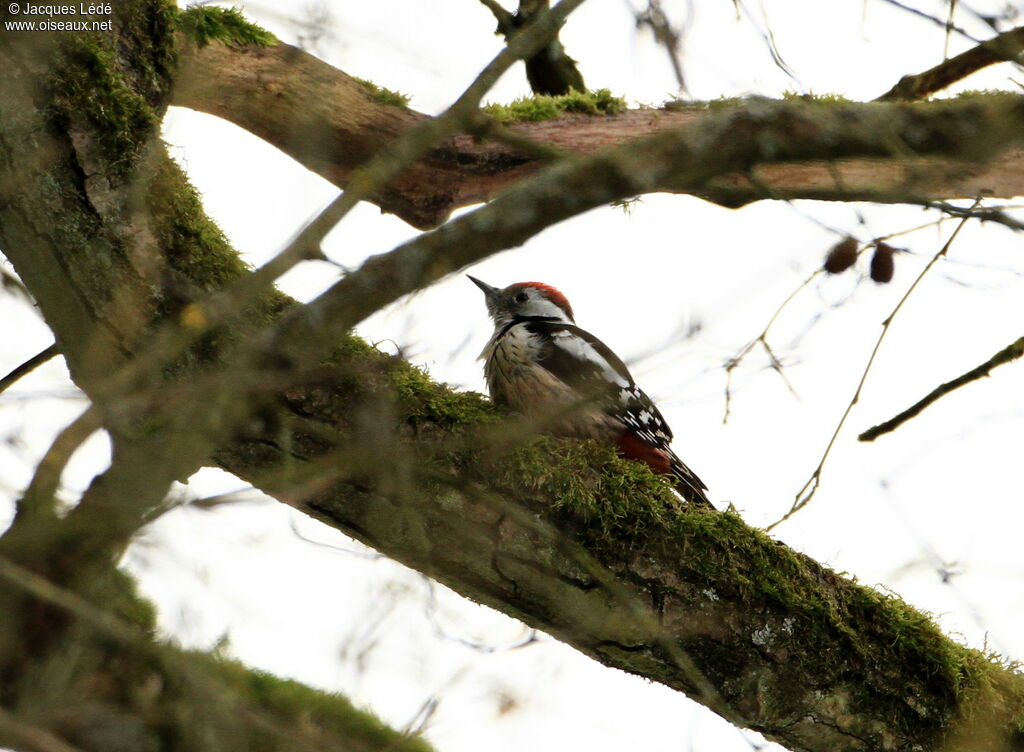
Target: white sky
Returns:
[[943, 490]]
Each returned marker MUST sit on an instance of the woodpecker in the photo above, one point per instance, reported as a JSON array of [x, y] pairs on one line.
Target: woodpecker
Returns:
[[540, 364]]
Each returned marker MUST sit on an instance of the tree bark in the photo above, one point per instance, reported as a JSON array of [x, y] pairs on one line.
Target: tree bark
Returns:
[[571, 539], [331, 123], [109, 238]]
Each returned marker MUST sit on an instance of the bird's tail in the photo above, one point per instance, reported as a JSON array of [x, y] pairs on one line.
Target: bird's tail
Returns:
[[688, 485]]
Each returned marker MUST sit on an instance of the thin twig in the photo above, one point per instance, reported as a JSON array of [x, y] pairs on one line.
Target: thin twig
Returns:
[[805, 494], [949, 29], [226, 305], [655, 19], [935, 20], [28, 366], [984, 214], [762, 339], [768, 36], [1006, 355]]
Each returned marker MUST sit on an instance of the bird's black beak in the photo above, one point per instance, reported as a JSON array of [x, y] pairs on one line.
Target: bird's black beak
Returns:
[[489, 292]]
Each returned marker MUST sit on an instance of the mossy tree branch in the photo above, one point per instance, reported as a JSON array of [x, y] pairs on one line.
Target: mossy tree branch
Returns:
[[109, 237], [331, 123], [790, 649]]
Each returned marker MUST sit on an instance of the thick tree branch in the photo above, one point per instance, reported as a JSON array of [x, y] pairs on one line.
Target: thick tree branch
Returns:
[[569, 538], [689, 158], [96, 230], [331, 123], [792, 650]]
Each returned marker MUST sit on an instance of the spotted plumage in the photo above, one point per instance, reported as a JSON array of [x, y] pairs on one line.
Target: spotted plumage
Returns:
[[540, 364]]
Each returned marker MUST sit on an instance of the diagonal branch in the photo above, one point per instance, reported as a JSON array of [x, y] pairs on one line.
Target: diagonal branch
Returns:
[[690, 158], [331, 124], [743, 608], [28, 366], [1008, 354], [1002, 48]]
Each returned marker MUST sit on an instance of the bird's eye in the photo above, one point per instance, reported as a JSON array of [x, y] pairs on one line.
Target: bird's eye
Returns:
[[521, 297]]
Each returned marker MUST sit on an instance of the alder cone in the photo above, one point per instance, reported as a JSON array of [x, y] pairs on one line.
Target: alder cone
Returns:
[[882, 264], [842, 256]]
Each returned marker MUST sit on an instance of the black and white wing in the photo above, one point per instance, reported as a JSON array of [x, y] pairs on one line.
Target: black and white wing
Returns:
[[589, 366]]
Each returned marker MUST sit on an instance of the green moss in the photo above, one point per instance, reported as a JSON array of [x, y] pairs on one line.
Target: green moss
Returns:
[[617, 500], [204, 24], [723, 103], [128, 605], [353, 347], [904, 644], [985, 93], [89, 84], [543, 107], [422, 400], [685, 105], [382, 95], [191, 242], [322, 715], [619, 510], [119, 82], [819, 98], [198, 257]]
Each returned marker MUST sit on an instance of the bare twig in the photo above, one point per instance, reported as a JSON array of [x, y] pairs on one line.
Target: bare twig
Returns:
[[762, 339], [1006, 355], [734, 362], [982, 213], [934, 19], [767, 35], [805, 494], [949, 29], [28, 366], [430, 608], [226, 306], [1004, 47], [655, 19]]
